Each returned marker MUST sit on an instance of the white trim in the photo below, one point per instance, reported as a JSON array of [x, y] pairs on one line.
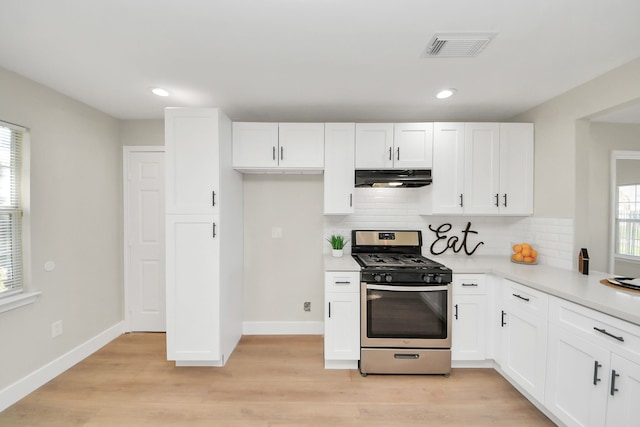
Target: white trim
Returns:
[[126, 151], [16, 391], [340, 364], [282, 328], [20, 300]]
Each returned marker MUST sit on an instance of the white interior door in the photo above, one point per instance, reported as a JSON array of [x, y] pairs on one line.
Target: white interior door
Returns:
[[145, 239]]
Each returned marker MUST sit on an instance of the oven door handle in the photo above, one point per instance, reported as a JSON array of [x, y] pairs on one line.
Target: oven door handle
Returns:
[[408, 288]]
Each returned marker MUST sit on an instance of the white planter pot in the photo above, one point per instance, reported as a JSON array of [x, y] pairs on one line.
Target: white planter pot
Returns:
[[336, 252]]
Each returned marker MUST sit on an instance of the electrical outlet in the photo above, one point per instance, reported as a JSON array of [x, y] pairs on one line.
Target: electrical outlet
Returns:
[[307, 306], [56, 329]]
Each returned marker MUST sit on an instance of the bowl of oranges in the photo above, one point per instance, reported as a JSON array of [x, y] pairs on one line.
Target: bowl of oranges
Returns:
[[523, 253]]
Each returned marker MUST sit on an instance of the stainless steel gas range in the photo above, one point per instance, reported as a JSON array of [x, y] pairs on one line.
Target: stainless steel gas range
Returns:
[[405, 305]]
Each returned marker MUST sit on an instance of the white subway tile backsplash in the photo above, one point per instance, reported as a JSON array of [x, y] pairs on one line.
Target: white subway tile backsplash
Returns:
[[398, 209]]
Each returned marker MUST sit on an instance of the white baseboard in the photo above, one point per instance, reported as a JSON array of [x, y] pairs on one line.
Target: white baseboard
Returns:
[[282, 328], [16, 391]]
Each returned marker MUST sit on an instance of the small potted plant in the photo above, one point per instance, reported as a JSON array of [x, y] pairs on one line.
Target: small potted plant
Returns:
[[337, 244]]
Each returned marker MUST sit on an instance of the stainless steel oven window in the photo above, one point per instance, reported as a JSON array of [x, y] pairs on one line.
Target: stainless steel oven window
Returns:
[[407, 312]]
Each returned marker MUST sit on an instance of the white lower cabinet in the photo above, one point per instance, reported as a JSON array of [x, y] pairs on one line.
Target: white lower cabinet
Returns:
[[342, 319], [593, 376], [468, 330], [524, 337]]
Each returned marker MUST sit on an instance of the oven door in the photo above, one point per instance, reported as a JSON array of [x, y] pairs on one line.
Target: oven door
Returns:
[[405, 316]]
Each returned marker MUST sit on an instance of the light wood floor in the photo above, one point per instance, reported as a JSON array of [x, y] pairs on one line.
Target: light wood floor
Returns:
[[268, 381]]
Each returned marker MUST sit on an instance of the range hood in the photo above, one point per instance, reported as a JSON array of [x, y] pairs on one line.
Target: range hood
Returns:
[[393, 178]]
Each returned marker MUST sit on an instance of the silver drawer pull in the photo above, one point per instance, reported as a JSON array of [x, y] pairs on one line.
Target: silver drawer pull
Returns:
[[345, 282], [469, 284], [604, 331], [406, 356]]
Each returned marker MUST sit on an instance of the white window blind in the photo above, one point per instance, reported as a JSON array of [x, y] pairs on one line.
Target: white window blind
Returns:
[[628, 221], [10, 210]]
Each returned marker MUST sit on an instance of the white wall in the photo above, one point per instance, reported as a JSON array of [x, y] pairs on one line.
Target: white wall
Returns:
[[282, 273], [562, 164], [142, 132], [76, 222]]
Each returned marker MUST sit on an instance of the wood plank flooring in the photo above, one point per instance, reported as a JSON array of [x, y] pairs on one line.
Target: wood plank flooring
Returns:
[[268, 381]]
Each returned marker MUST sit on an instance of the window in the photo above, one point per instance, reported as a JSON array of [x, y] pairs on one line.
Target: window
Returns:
[[10, 210], [628, 221]]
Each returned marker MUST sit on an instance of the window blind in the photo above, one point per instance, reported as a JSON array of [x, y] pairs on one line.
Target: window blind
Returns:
[[10, 209]]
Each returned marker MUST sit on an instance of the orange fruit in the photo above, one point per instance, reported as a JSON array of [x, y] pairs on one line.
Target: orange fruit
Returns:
[[526, 246], [526, 252], [517, 248], [534, 253], [528, 259], [517, 257]]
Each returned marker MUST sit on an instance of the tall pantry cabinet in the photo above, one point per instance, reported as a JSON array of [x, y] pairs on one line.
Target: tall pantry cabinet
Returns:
[[204, 238]]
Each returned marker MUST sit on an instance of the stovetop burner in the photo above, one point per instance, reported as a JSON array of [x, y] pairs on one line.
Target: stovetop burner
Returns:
[[395, 260]]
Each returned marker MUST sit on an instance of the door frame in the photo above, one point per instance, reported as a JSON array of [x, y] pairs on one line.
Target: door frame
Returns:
[[127, 150]]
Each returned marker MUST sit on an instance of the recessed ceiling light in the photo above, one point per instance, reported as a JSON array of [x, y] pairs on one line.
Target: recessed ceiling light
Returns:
[[446, 93], [159, 91]]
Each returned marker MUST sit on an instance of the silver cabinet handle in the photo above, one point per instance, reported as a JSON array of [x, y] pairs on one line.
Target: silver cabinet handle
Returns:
[[281, 153], [596, 365], [461, 201], [505, 200], [214, 230], [389, 153], [351, 200], [274, 152], [470, 284], [398, 155], [213, 198], [497, 200]]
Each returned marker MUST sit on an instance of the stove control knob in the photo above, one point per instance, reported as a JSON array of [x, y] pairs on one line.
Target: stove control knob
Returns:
[[388, 278], [427, 278], [438, 279], [377, 278]]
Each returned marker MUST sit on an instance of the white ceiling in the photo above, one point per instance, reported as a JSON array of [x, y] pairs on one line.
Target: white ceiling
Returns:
[[314, 60]]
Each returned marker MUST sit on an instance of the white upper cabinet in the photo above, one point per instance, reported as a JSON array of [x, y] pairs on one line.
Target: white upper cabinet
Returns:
[[448, 168], [339, 146], [413, 145], [255, 145], [301, 145], [374, 145], [516, 168], [192, 152], [389, 146], [482, 169], [260, 147]]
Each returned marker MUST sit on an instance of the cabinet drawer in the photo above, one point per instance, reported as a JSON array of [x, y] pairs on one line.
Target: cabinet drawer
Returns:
[[614, 334], [525, 298], [469, 284], [342, 281]]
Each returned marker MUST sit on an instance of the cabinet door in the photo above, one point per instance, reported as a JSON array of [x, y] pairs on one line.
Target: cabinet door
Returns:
[[576, 379], [623, 408], [192, 159], [374, 145], [525, 350], [339, 148], [481, 168], [448, 168], [193, 311], [301, 145], [516, 168], [342, 326], [469, 327], [412, 145], [255, 145]]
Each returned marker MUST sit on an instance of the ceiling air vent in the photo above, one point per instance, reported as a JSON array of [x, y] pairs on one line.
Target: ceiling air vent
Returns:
[[457, 45]]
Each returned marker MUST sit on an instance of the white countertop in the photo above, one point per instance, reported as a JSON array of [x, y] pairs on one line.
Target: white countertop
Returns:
[[571, 285]]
